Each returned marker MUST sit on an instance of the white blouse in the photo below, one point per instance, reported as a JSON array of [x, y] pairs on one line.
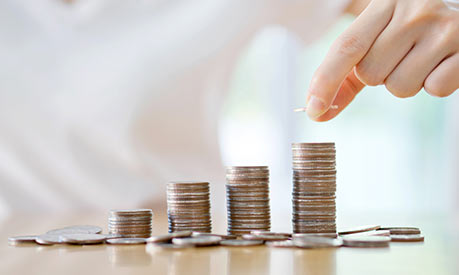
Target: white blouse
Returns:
[[103, 102]]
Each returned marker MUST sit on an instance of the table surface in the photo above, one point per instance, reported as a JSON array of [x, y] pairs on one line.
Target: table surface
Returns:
[[437, 255]]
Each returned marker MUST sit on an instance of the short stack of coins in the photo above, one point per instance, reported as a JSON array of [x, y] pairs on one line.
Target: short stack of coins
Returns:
[[134, 223], [247, 191], [314, 187], [188, 206]]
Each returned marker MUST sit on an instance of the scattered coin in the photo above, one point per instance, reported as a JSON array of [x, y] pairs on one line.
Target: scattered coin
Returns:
[[371, 233], [83, 238], [21, 240], [127, 241], [168, 237], [262, 232], [49, 239], [265, 237], [366, 241], [241, 242], [407, 238], [76, 229], [326, 235], [198, 241], [402, 230], [359, 229], [224, 237], [112, 236], [316, 242], [281, 244]]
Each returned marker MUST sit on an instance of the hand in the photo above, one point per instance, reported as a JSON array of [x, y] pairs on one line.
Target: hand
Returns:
[[404, 44]]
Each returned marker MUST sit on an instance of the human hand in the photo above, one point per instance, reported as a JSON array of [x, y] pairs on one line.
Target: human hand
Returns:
[[404, 44]]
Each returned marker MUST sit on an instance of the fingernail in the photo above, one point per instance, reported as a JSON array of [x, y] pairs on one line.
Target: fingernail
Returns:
[[316, 107]]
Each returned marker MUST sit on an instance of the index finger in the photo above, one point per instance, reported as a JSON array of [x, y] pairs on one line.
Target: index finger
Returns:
[[350, 47]]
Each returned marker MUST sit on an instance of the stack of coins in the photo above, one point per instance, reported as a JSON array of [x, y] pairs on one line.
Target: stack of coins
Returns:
[[188, 207], [314, 187], [134, 223], [247, 191]]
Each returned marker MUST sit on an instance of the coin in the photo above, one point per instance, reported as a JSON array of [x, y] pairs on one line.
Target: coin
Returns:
[[248, 203], [402, 230], [83, 238], [326, 235], [224, 237], [168, 237], [49, 239], [371, 233], [314, 187], [130, 223], [241, 243], [198, 241], [188, 206], [265, 237], [21, 240], [76, 229], [127, 241], [407, 238], [359, 229], [366, 241], [316, 242], [262, 232]]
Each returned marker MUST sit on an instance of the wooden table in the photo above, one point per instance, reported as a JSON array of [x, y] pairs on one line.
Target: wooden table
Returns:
[[437, 255]]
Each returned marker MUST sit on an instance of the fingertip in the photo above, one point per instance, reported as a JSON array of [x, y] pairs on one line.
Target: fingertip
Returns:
[[315, 107]]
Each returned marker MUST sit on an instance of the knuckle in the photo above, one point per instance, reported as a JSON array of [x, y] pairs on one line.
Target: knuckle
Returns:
[[366, 76], [351, 46], [447, 33]]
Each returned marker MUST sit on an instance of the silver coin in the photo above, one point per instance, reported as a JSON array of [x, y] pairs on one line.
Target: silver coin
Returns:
[[113, 236], [49, 239], [83, 238], [372, 233], [407, 238], [76, 229], [324, 235], [366, 241], [261, 232], [281, 244], [359, 229], [21, 239], [265, 237], [241, 243], [224, 237], [168, 237], [198, 241], [402, 230], [316, 242], [127, 241]]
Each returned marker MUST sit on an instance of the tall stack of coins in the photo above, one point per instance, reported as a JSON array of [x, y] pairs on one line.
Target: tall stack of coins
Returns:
[[188, 206], [134, 223], [314, 187], [247, 191]]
